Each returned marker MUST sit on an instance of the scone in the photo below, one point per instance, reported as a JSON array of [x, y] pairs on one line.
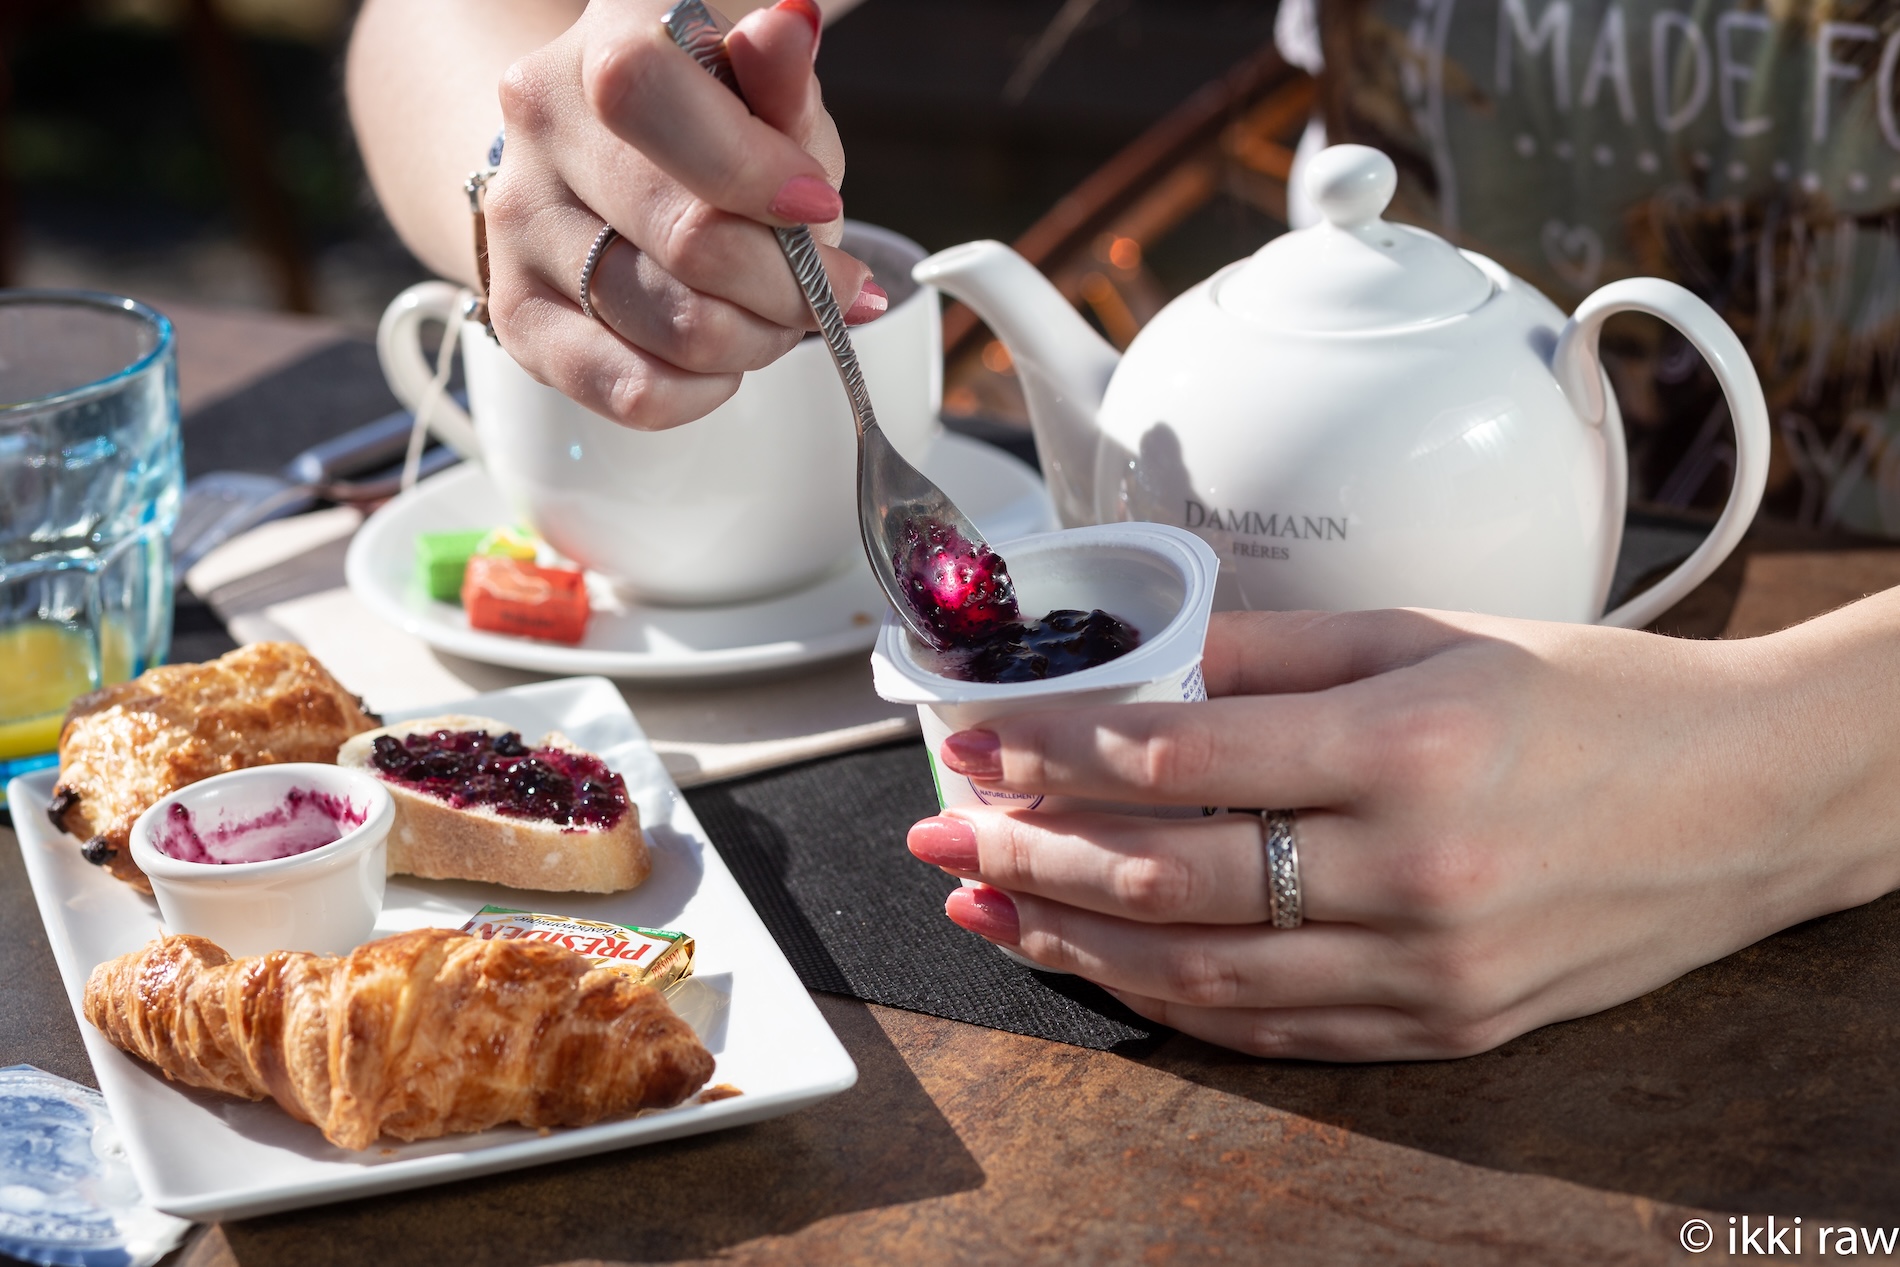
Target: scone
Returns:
[[127, 746], [474, 802]]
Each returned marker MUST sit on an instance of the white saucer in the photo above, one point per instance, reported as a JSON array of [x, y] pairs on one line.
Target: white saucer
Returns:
[[838, 616]]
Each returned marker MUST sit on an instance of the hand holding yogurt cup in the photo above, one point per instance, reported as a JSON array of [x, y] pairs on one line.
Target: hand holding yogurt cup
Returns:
[[1502, 823]]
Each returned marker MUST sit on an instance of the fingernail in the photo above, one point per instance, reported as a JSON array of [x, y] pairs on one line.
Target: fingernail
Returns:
[[807, 200], [976, 753], [944, 842], [808, 11], [868, 306], [986, 912]]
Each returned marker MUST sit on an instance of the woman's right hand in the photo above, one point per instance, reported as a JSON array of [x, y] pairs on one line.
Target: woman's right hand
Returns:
[[614, 123]]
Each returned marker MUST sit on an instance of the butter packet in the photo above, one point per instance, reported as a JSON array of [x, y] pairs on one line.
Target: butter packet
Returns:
[[651, 956]]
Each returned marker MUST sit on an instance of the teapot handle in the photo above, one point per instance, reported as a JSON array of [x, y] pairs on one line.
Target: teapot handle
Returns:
[[1579, 372]]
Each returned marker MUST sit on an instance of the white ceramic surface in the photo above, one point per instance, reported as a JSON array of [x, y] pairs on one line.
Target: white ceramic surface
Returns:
[[755, 499], [1362, 416], [324, 900], [206, 1156], [837, 616]]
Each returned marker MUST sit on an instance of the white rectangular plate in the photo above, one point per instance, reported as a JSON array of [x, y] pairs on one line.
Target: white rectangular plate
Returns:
[[206, 1156]]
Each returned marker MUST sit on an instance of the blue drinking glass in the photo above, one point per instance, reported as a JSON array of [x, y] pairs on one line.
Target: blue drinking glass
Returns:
[[91, 472]]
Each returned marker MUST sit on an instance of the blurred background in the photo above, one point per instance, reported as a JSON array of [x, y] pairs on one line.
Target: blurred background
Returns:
[[198, 151]]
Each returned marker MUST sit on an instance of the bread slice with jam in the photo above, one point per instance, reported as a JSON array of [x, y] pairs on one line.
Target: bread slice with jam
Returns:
[[476, 802]]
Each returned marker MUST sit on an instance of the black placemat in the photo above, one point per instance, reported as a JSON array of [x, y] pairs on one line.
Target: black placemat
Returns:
[[819, 850], [260, 427]]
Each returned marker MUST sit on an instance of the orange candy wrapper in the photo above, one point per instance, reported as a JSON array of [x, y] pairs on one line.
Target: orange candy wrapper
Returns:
[[511, 596]]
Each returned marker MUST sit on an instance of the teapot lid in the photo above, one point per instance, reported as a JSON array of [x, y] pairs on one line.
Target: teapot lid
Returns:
[[1353, 270]]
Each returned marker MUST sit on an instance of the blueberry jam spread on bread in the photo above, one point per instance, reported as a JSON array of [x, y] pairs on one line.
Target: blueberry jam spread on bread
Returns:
[[470, 768], [963, 593]]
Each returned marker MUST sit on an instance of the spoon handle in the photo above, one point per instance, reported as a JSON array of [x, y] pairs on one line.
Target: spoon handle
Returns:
[[696, 29], [700, 32]]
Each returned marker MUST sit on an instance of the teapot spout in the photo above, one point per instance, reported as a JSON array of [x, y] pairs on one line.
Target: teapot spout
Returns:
[[1064, 366]]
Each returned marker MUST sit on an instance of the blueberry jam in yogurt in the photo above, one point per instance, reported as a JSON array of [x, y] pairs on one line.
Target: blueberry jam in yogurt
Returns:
[[468, 768], [963, 594], [1062, 642], [305, 820]]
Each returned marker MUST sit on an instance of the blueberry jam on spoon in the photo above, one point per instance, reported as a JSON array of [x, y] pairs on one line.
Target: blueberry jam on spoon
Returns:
[[960, 590], [963, 594]]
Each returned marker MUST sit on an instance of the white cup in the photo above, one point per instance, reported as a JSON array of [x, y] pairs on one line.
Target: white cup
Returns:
[[757, 498], [325, 899]]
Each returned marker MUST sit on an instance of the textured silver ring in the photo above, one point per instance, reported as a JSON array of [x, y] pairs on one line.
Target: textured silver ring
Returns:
[[602, 241], [1284, 905]]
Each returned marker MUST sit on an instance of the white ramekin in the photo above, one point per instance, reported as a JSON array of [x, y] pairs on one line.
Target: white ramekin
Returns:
[[325, 900]]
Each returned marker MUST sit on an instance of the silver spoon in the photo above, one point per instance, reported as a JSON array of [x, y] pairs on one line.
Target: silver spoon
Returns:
[[934, 566]]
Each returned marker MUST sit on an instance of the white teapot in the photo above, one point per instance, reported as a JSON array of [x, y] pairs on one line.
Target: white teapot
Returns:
[[1360, 415]]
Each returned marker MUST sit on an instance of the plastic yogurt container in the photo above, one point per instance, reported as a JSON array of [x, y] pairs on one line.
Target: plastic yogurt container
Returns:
[[1156, 577]]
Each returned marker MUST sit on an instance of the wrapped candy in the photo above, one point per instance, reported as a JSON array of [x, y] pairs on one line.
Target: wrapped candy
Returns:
[[512, 596]]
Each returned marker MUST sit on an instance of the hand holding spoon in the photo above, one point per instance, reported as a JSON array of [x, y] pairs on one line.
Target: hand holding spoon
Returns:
[[934, 566]]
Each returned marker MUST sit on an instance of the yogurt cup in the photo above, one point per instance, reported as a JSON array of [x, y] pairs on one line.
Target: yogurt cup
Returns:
[[1156, 577], [324, 897]]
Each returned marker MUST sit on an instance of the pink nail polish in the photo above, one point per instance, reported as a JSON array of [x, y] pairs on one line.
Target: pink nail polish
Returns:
[[870, 304], [976, 753], [807, 200], [808, 11], [945, 842], [986, 912]]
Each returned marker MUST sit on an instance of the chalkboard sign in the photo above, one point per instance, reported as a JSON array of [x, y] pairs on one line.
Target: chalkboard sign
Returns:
[[1749, 151]]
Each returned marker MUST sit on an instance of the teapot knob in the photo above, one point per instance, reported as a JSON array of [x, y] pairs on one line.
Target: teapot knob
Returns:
[[1351, 184]]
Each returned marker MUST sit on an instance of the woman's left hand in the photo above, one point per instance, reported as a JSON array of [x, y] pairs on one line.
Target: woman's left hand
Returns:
[[1502, 823]]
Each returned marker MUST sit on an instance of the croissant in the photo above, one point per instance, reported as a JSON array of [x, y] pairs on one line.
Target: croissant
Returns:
[[412, 1036]]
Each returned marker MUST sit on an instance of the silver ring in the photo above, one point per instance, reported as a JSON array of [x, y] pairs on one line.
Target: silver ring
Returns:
[[1284, 905], [602, 241]]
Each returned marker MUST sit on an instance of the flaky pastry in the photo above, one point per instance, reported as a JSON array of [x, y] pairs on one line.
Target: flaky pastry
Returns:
[[128, 746], [413, 1036]]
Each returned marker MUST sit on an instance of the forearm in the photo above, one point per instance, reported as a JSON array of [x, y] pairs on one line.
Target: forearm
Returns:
[[1838, 753], [421, 80]]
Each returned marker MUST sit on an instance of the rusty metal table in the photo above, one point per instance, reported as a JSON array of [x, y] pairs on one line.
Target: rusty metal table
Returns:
[[1766, 1083]]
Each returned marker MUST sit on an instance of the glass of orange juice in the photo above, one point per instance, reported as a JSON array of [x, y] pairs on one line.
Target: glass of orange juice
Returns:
[[91, 470]]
